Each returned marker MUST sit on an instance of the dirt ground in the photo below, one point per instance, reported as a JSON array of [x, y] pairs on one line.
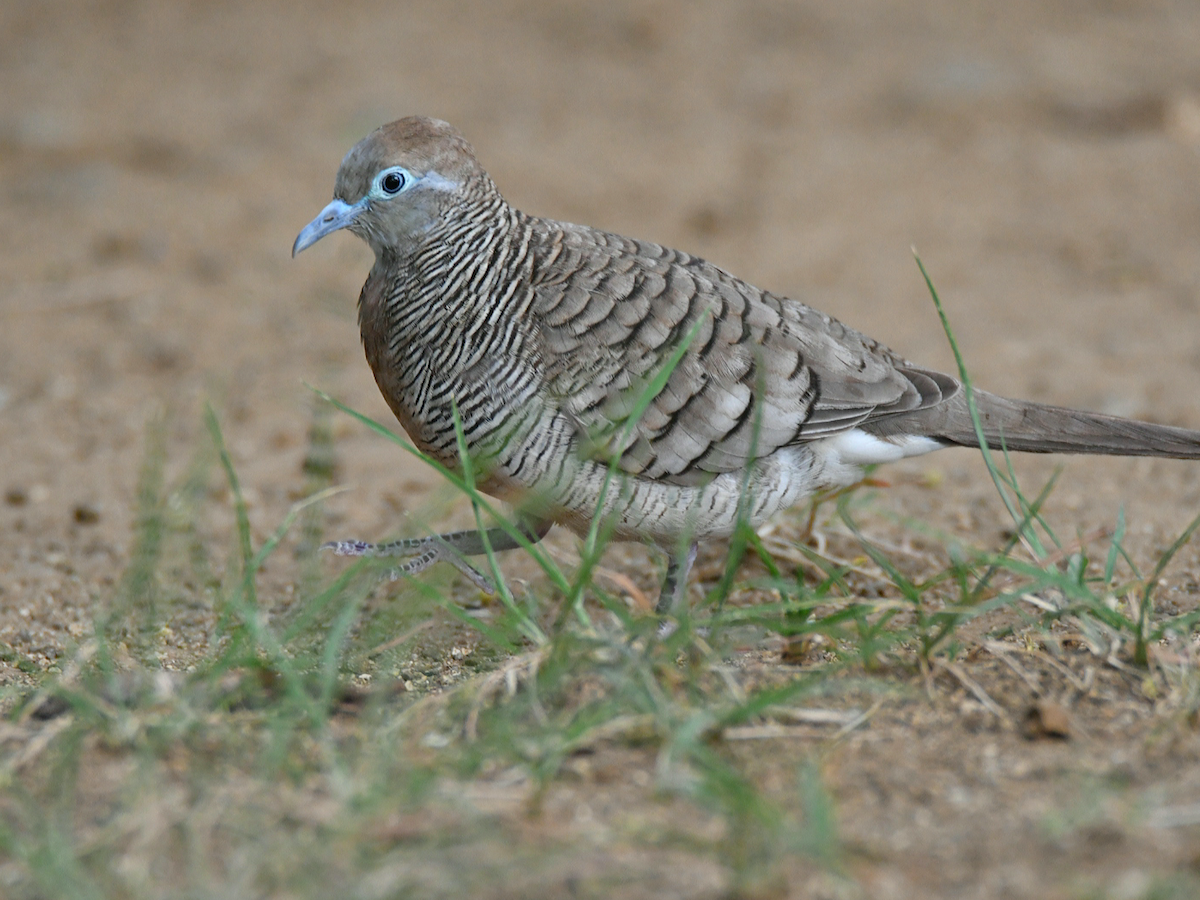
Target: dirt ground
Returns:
[[158, 158]]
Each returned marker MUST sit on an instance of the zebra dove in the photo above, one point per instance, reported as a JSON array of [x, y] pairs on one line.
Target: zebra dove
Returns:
[[547, 338]]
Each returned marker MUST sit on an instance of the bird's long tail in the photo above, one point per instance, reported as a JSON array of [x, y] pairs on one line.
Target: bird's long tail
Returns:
[[1020, 425]]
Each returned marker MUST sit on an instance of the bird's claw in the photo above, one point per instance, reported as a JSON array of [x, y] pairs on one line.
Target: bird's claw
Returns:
[[350, 548]]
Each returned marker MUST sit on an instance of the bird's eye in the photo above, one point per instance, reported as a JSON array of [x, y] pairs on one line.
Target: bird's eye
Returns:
[[392, 182]]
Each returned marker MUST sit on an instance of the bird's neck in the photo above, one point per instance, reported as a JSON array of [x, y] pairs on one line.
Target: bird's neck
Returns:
[[458, 266], [435, 286]]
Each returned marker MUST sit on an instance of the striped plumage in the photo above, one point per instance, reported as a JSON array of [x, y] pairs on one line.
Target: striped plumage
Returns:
[[546, 335]]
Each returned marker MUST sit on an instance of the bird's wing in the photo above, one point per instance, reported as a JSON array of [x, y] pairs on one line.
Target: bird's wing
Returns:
[[760, 371]]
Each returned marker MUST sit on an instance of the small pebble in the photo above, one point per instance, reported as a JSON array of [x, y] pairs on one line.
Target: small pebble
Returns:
[[803, 648], [86, 514], [1046, 719]]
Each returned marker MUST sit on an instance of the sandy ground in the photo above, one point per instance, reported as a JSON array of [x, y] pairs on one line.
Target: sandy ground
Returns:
[[158, 159]]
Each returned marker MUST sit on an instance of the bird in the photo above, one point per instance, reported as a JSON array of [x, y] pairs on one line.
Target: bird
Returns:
[[590, 374]]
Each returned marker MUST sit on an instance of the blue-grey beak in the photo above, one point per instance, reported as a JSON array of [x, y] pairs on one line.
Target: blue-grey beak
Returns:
[[333, 217]]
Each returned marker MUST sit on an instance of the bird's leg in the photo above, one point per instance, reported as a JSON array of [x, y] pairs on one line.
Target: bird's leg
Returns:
[[822, 497], [674, 589], [451, 547]]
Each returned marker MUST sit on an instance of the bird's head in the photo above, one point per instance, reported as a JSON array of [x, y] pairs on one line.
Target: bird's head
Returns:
[[397, 182]]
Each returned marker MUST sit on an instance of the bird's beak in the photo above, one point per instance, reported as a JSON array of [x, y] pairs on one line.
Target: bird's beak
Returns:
[[333, 217]]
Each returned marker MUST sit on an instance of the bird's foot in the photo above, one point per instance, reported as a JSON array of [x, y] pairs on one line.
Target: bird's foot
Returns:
[[424, 552], [403, 547]]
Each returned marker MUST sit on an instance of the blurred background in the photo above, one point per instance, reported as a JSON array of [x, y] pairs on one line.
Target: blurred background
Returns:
[[158, 158]]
